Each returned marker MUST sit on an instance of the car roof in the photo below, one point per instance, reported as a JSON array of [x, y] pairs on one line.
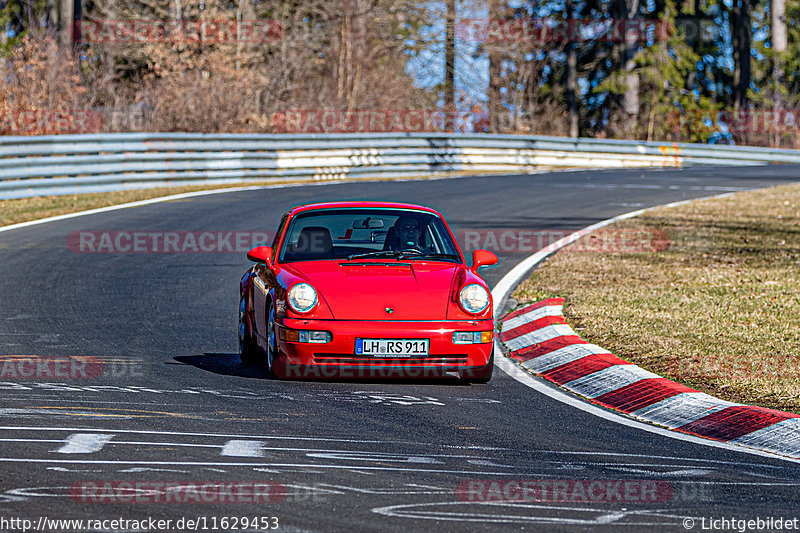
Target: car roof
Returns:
[[361, 204]]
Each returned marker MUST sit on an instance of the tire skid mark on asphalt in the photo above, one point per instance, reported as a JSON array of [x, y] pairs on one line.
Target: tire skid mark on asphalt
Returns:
[[407, 489], [92, 412], [263, 465], [382, 459], [603, 516]]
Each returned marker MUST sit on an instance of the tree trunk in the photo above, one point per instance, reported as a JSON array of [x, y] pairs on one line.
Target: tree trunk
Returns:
[[630, 102], [495, 60], [572, 83], [741, 32], [450, 67], [778, 44], [66, 20]]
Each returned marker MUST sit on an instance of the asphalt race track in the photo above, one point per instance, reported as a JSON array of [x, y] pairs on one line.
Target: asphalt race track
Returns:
[[173, 403]]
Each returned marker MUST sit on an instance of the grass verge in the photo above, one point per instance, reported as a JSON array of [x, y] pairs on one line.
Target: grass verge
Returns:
[[25, 209], [719, 310]]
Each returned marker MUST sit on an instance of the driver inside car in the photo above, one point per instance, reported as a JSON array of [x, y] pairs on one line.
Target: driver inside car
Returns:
[[407, 235]]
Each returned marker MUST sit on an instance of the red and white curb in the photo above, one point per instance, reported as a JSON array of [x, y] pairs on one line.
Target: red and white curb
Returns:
[[541, 341]]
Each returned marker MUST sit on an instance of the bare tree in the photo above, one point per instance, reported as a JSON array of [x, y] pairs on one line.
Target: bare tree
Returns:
[[778, 45], [450, 65], [572, 83], [741, 32]]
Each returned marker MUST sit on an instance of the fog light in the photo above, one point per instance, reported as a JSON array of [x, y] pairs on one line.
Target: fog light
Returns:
[[305, 336], [315, 337], [463, 337]]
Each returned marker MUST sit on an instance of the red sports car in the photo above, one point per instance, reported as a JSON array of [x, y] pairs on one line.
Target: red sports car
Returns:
[[366, 289]]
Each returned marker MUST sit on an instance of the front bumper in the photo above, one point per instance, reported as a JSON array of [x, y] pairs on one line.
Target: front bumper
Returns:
[[338, 356]]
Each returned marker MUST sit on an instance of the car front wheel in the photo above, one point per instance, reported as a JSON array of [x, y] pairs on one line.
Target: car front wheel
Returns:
[[248, 349], [271, 341]]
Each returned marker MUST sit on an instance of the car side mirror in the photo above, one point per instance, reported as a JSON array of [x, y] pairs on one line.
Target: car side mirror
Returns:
[[261, 254], [483, 258]]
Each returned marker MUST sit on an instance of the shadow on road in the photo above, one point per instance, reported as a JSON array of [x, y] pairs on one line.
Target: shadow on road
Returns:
[[225, 364], [229, 364]]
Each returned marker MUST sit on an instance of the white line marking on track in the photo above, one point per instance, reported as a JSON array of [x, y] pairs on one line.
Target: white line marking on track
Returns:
[[243, 448], [377, 457], [137, 470], [486, 462], [85, 443], [686, 472], [189, 434], [62, 469]]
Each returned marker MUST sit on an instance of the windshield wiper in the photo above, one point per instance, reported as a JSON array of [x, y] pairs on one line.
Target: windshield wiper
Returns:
[[403, 254], [442, 256], [379, 253], [397, 254]]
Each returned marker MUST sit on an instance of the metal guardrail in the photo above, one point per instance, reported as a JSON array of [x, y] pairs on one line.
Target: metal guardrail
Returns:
[[71, 164]]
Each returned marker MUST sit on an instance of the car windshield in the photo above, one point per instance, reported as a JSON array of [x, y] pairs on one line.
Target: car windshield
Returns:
[[352, 234]]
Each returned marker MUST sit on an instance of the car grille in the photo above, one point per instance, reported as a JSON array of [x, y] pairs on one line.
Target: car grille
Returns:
[[366, 360]]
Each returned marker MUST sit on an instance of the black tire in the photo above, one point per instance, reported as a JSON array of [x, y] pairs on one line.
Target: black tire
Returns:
[[248, 348], [479, 375], [271, 340]]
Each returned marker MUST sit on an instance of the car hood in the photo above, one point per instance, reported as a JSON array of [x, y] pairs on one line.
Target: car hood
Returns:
[[413, 290]]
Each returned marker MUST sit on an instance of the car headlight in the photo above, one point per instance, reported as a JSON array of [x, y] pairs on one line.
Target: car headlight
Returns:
[[302, 297], [474, 298]]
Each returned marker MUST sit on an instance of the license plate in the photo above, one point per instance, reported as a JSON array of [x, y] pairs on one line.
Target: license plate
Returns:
[[392, 347]]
